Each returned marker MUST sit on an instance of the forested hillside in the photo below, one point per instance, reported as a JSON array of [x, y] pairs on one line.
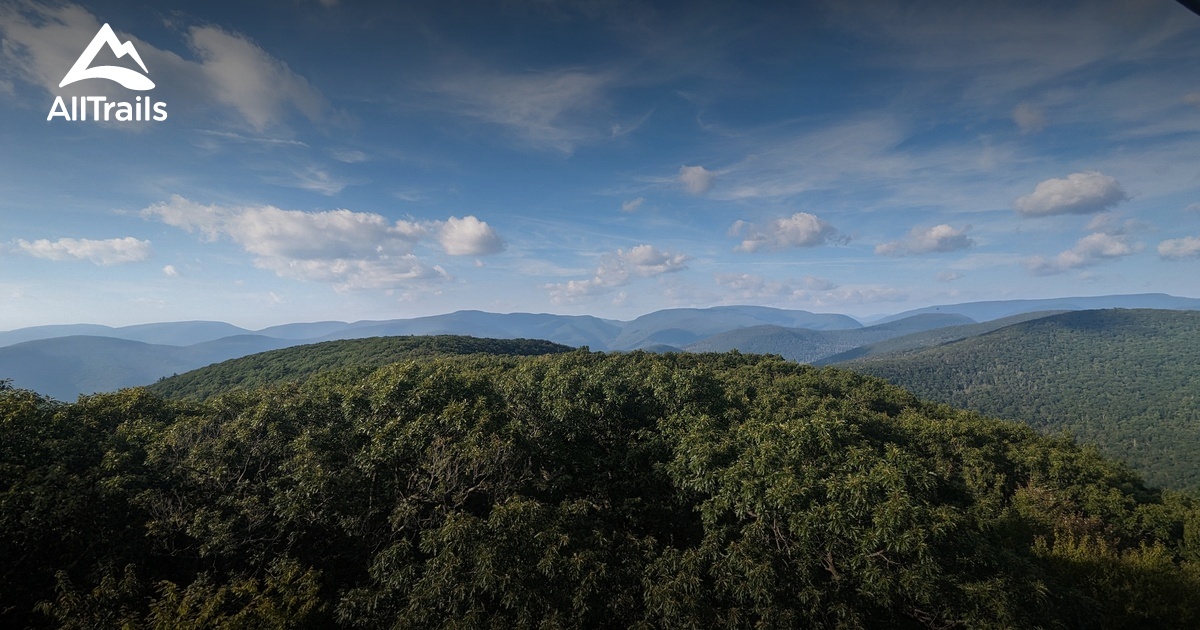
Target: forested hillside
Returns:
[[574, 490], [359, 355], [928, 338], [1127, 381]]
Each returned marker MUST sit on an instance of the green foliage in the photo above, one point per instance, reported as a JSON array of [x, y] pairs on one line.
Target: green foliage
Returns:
[[1123, 380], [575, 490], [356, 356]]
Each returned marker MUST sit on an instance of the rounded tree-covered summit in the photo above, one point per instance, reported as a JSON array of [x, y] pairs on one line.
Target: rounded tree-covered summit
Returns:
[[358, 355]]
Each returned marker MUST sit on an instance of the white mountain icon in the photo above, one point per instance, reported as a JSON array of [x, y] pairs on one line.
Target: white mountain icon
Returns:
[[126, 77]]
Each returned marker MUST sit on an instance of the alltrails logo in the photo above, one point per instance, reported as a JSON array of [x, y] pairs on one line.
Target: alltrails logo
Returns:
[[101, 109]]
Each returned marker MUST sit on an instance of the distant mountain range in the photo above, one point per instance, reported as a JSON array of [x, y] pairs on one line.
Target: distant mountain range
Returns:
[[64, 361]]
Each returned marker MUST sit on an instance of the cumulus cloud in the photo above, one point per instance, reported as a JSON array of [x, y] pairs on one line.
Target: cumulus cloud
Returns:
[[170, 271], [799, 230], [632, 204], [1078, 193], [618, 269], [696, 180], [350, 250], [468, 236], [1180, 248], [939, 238], [42, 41], [1088, 251], [1029, 119], [113, 251]]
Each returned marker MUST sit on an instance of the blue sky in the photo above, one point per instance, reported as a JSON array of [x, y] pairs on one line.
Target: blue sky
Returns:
[[353, 160]]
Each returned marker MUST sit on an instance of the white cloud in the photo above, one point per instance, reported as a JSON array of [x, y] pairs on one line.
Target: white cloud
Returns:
[[618, 269], [170, 271], [1078, 193], [632, 204], [113, 251], [468, 236], [696, 180], [948, 276], [1029, 119], [1088, 251], [799, 230], [646, 260], [939, 238], [350, 250], [1193, 207], [1180, 248], [1192, 98]]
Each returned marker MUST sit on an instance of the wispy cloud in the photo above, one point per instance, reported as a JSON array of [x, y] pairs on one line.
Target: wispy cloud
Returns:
[[753, 287], [317, 180], [857, 295], [265, 140], [247, 78], [1029, 119], [349, 156], [784, 163], [550, 110]]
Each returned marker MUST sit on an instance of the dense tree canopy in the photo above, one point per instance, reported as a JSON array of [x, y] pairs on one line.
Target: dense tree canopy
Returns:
[[574, 490], [356, 355], [1124, 380]]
